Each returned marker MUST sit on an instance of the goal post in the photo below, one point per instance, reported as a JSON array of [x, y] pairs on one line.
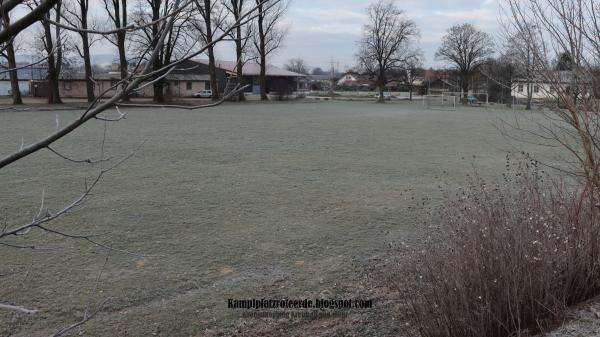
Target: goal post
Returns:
[[477, 98], [439, 102], [481, 98]]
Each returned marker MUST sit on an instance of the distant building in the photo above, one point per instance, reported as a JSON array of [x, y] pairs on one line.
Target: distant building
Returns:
[[323, 82], [354, 81], [349, 79], [6, 88], [176, 85], [277, 78], [540, 88], [27, 77], [188, 78]]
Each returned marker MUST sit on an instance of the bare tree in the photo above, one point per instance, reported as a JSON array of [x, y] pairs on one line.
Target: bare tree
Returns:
[[212, 16], [521, 47], [52, 43], [268, 36], [558, 27], [178, 41], [385, 42], [117, 11], [500, 75], [466, 48], [78, 17], [165, 55], [297, 65], [412, 69], [38, 10], [241, 35], [9, 55]]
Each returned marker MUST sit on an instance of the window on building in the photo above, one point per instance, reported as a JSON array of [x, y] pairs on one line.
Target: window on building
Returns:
[[520, 88], [207, 85], [67, 85], [536, 88], [188, 85]]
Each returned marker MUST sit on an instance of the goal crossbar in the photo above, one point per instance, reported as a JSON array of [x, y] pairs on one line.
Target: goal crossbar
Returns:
[[482, 97], [439, 102]]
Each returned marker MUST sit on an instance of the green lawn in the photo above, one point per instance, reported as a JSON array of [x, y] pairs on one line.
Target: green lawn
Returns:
[[239, 201]]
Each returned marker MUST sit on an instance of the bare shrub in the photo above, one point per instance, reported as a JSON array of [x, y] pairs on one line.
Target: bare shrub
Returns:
[[519, 253]]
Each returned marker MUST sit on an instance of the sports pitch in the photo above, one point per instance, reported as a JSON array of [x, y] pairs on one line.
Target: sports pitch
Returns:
[[289, 200]]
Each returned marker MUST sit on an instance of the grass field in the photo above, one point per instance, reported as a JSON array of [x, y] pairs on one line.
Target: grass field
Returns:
[[240, 201]]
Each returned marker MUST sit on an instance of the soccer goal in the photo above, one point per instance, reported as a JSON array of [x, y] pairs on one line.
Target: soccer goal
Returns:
[[439, 102], [479, 98], [473, 98]]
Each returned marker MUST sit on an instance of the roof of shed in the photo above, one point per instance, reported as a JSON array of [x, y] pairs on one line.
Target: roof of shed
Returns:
[[252, 68]]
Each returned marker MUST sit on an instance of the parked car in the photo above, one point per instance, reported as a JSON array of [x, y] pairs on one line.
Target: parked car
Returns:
[[386, 95], [471, 99], [204, 94]]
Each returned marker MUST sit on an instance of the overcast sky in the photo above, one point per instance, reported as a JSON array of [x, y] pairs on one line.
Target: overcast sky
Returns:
[[320, 30]]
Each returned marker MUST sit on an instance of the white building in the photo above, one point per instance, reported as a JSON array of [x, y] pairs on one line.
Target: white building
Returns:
[[348, 79], [538, 90], [541, 88]]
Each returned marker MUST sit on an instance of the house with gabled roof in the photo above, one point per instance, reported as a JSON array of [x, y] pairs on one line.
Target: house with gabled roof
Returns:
[[277, 78], [190, 77]]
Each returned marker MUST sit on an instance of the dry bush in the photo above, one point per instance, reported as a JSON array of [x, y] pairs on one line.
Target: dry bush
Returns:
[[519, 253]]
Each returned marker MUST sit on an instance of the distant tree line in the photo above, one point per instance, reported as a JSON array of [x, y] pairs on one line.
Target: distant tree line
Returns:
[[67, 30]]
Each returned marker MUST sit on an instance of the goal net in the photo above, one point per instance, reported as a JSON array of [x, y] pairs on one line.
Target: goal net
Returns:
[[439, 102]]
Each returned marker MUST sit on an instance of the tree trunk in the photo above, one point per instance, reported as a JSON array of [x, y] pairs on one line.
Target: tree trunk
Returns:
[[59, 47], [465, 89], [121, 35], [529, 70], [53, 71], [123, 65], [529, 96], [89, 84], [381, 85], [157, 86], [410, 91], [212, 70], [12, 64], [240, 71], [239, 51], [14, 78], [263, 79], [263, 56]]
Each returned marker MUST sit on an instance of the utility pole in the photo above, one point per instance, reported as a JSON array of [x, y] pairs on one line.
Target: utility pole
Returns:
[[331, 78]]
